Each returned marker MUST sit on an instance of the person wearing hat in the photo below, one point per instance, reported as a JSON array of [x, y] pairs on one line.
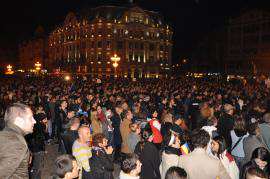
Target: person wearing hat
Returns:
[[171, 152]]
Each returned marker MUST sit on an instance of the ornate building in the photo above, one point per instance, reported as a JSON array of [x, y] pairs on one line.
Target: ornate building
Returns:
[[34, 50], [86, 42]]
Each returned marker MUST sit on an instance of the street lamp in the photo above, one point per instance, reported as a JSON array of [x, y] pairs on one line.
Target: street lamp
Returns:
[[9, 70], [37, 66], [115, 59]]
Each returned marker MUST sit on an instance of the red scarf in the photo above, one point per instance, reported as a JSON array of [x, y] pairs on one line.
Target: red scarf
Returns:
[[101, 117]]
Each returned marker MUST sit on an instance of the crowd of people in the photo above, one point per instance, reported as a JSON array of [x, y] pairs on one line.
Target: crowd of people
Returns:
[[195, 128]]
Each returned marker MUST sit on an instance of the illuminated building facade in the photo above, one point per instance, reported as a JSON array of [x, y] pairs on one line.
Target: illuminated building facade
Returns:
[[85, 43]]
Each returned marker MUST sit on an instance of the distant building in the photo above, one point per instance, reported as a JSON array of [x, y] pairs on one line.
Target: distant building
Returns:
[[249, 42], [33, 50], [241, 46], [210, 53], [86, 42]]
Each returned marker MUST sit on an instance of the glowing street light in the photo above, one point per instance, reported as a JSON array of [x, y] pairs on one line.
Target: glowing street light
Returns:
[[115, 59], [185, 60], [115, 64], [67, 78], [37, 66], [9, 70]]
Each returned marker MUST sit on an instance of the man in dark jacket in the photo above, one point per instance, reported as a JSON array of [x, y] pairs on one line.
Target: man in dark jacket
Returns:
[[101, 162], [61, 115], [149, 156], [36, 143], [14, 152], [70, 135], [117, 139], [226, 123]]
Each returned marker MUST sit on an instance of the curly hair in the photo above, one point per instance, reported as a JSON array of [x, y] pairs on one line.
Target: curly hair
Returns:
[[129, 163], [98, 138]]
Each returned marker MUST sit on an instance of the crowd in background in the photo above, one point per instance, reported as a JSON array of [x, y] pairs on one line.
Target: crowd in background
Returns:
[[204, 128]]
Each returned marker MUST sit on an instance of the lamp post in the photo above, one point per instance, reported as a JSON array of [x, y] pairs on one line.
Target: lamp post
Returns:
[[37, 66], [9, 70], [115, 59]]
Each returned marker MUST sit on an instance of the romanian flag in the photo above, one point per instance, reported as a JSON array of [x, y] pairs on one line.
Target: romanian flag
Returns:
[[184, 149]]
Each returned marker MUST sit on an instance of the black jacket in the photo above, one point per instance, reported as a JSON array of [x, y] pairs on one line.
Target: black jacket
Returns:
[[116, 121], [225, 125], [150, 159], [69, 137], [101, 165], [36, 140]]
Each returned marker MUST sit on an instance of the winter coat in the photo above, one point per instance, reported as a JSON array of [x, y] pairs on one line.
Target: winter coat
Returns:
[[116, 121], [124, 129], [198, 164], [250, 143], [101, 165], [14, 153], [229, 164], [170, 157], [96, 125], [265, 132], [150, 159]]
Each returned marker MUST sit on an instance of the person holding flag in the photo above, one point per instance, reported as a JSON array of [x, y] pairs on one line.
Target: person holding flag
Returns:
[[174, 147]]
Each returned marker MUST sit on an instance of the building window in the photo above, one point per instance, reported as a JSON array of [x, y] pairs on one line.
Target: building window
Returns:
[[92, 44], [130, 57], [99, 44], [119, 45], [99, 32], [151, 47], [161, 48], [83, 45], [136, 45], [99, 57], [141, 57], [130, 45], [142, 46], [136, 57], [108, 44]]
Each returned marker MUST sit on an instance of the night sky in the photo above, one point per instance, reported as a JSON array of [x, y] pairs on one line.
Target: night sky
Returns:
[[191, 19]]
